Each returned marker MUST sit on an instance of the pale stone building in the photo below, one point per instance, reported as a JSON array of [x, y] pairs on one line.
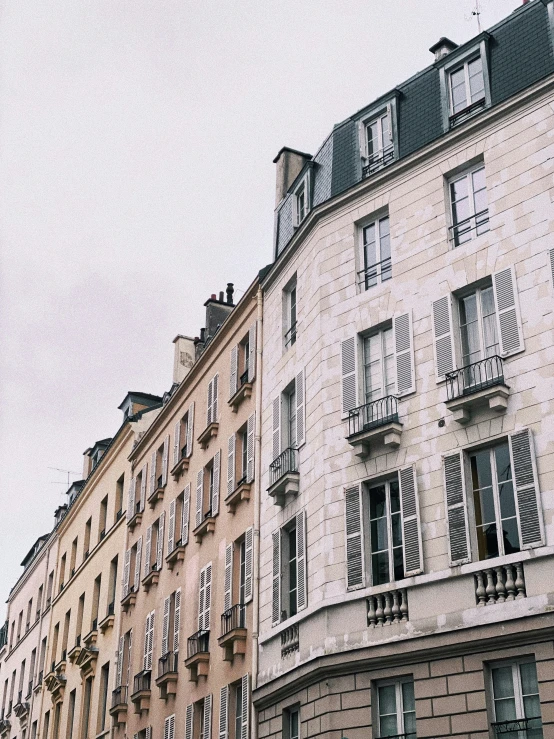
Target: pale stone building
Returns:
[[407, 532]]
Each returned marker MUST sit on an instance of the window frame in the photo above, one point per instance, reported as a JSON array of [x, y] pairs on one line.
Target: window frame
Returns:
[[378, 331], [386, 106], [398, 682], [474, 231], [380, 273], [367, 487], [515, 663], [290, 326], [303, 186]]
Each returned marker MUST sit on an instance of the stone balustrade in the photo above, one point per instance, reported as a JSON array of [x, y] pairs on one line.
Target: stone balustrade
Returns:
[[500, 584], [387, 608], [290, 640]]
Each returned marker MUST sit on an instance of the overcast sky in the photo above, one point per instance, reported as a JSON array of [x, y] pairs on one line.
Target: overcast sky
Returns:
[[136, 178]]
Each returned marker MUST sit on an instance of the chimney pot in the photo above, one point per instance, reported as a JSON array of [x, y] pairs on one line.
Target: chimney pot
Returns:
[[213, 297], [221, 296], [202, 335], [230, 290]]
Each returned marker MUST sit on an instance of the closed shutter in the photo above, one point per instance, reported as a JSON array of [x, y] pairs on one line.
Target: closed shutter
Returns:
[[508, 318], [215, 399], [143, 481], [138, 559], [443, 338], [355, 571], [190, 428], [228, 578], [120, 653], [551, 255], [411, 526], [201, 598], [165, 626], [217, 476], [456, 508], [147, 733], [171, 527], [301, 547], [252, 352], [300, 409], [129, 656], [250, 427], [199, 496], [165, 460], [169, 727], [276, 576], [160, 542], [152, 474], [188, 721], [148, 551], [176, 620], [185, 515], [131, 500], [207, 717], [276, 427], [224, 712], [151, 640], [527, 490], [248, 563], [233, 377], [210, 401], [231, 464], [177, 443], [146, 637], [126, 573], [348, 373], [245, 712], [208, 596], [404, 354]]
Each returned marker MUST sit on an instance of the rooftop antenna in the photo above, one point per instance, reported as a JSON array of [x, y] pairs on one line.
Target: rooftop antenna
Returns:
[[477, 13], [66, 472]]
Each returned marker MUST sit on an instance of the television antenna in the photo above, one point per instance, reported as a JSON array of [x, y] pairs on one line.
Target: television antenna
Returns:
[[477, 13], [66, 472]]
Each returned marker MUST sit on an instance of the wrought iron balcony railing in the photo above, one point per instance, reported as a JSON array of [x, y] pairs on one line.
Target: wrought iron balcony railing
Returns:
[[374, 414], [475, 377], [233, 618], [524, 728], [120, 696], [461, 115], [287, 461], [290, 336], [378, 160], [461, 231], [142, 681], [243, 379], [111, 609], [198, 643], [168, 663], [370, 276]]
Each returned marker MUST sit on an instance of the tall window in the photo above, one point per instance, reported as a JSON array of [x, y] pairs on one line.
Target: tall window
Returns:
[[493, 496], [290, 315], [103, 698], [71, 714], [242, 572], [378, 143], [396, 709], [385, 525], [291, 417], [376, 253], [292, 569], [517, 711], [467, 88], [379, 369], [238, 709], [292, 724], [86, 708], [478, 333], [469, 205], [301, 201]]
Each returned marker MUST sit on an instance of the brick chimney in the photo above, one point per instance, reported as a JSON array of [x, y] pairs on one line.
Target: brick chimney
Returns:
[[289, 163]]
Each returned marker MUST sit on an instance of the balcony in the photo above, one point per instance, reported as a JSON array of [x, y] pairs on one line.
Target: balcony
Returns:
[[241, 492], [91, 638], [375, 422], [209, 432], [108, 620], [158, 493], [233, 632], [55, 684], [168, 667], [500, 584], [5, 725], [390, 607], [290, 336], [86, 661], [378, 272], [21, 707], [477, 385], [523, 728], [129, 600], [463, 231], [38, 682], [176, 556], [182, 464], [141, 691], [243, 392], [206, 527], [75, 651], [136, 518], [290, 640], [151, 578], [467, 112], [377, 161], [283, 476], [118, 708], [198, 654]]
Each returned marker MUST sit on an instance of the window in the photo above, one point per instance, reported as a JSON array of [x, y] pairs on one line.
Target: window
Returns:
[[207, 490], [103, 697], [182, 439], [95, 602], [102, 519], [478, 329], [238, 710], [62, 571], [119, 488], [179, 511], [158, 469], [237, 581], [131, 569], [517, 711], [148, 645], [46, 724], [86, 546], [65, 635], [289, 569], [154, 546], [50, 588], [291, 723], [243, 362], [466, 86], [378, 143], [301, 200], [29, 612], [198, 719], [171, 624], [240, 456], [86, 708], [376, 253], [169, 727], [204, 597], [79, 624], [212, 401], [57, 719], [385, 525], [55, 643], [396, 709], [124, 659], [31, 672], [379, 365], [289, 305], [112, 583], [73, 560], [39, 602], [469, 205], [71, 714]]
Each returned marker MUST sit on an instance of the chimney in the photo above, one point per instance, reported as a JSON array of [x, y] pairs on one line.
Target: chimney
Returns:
[[183, 358], [289, 163], [443, 47], [87, 463], [230, 290], [217, 311]]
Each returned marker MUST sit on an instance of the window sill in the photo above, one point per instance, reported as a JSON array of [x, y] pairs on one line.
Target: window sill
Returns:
[[134, 520], [106, 623], [129, 601], [199, 665], [389, 435], [242, 492], [288, 484], [209, 432], [150, 579], [206, 527], [176, 556], [233, 643], [243, 393], [157, 495], [181, 466]]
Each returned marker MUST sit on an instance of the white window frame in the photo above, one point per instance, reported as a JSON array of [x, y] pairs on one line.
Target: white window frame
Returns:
[[380, 333], [290, 327], [397, 682], [386, 107], [302, 187], [458, 298], [515, 664], [388, 515], [380, 273], [475, 229]]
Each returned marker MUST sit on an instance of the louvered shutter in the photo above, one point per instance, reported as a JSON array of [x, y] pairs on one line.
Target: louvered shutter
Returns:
[[231, 444], [508, 318], [201, 598], [185, 515], [276, 427], [411, 526], [208, 596], [165, 626], [207, 717], [250, 428], [176, 620], [131, 500], [165, 460], [551, 255], [151, 640], [233, 377], [404, 354], [126, 573], [199, 496], [248, 563], [245, 709], [217, 476], [252, 352], [147, 733], [228, 578], [188, 721], [152, 474], [169, 727], [276, 577], [138, 558], [177, 443], [148, 551], [443, 338], [348, 373], [456, 508], [215, 399], [224, 712], [190, 428], [129, 655], [146, 637], [527, 489], [143, 481], [160, 542], [301, 547], [210, 401], [120, 653], [355, 571], [300, 409], [171, 527]]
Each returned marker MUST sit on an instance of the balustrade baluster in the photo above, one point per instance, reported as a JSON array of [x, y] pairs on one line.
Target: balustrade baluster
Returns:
[[371, 616], [510, 584], [379, 610], [480, 591], [500, 589], [404, 605], [388, 608], [396, 606], [491, 590], [520, 582]]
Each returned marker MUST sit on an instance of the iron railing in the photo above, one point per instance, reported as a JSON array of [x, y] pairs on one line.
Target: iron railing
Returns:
[[523, 728], [102, 534], [233, 618], [290, 336], [142, 681], [374, 414], [119, 514], [368, 277], [378, 160], [409, 735], [243, 379], [461, 115], [461, 231], [29, 688], [120, 696], [475, 377], [168, 663], [111, 609], [39, 678], [287, 461], [198, 643]]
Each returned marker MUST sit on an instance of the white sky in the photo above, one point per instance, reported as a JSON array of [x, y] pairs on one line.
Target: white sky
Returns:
[[136, 178]]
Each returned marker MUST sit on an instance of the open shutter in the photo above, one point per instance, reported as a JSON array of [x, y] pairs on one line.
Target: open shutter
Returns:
[[348, 373], [208, 596], [188, 721], [210, 402], [551, 255], [215, 398], [355, 576], [160, 542], [207, 717], [129, 656], [148, 551], [151, 640], [143, 481], [233, 378], [224, 712], [443, 338], [411, 527], [190, 428], [248, 563], [131, 500], [508, 318], [228, 578], [171, 527], [177, 443], [217, 476], [245, 712], [199, 496], [300, 409], [169, 727], [152, 474], [456, 508], [138, 558], [185, 514], [301, 546], [201, 598], [165, 460], [404, 354], [250, 427], [276, 573], [147, 733], [165, 626], [177, 620], [126, 573], [231, 463], [276, 427], [120, 653], [146, 638], [252, 352], [524, 473]]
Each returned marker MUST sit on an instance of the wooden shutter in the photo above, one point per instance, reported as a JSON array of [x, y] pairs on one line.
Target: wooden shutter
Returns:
[[176, 620], [228, 578], [120, 653], [199, 496], [524, 473], [152, 474], [300, 409], [169, 727], [126, 573], [231, 444], [224, 712], [185, 514], [233, 377], [248, 563], [355, 571], [188, 721], [131, 500], [190, 428], [160, 542], [146, 637], [208, 596], [250, 428], [348, 373], [404, 354], [252, 352], [151, 640], [245, 709], [276, 575], [210, 401], [551, 255], [215, 398], [301, 547], [165, 460], [276, 427], [148, 551], [177, 443], [143, 481], [129, 655], [138, 558], [171, 527], [443, 338], [217, 476], [207, 717], [201, 598], [411, 526], [165, 626], [510, 332], [456, 508]]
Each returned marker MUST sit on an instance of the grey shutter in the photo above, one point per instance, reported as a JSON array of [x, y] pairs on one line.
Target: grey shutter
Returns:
[[177, 443], [131, 500], [217, 476], [151, 640], [245, 712], [171, 527], [228, 578], [143, 481], [301, 547], [224, 712], [126, 573], [208, 596], [185, 515], [231, 464], [146, 652], [120, 653], [354, 537], [199, 496], [248, 563], [188, 721], [276, 427], [252, 352], [348, 373], [250, 428], [233, 377], [176, 620], [201, 598], [411, 526], [207, 717], [510, 332], [404, 354], [148, 551], [165, 626], [210, 401], [169, 727], [160, 542], [190, 428], [551, 255], [152, 474], [165, 460], [456, 508], [276, 576], [443, 338], [138, 558], [300, 409], [527, 489], [215, 398]]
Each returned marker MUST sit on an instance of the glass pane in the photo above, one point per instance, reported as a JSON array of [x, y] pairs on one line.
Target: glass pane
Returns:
[[396, 530], [379, 538], [458, 90], [503, 464], [377, 502], [398, 563], [387, 700], [370, 246], [380, 568], [372, 139], [502, 682], [384, 238], [507, 501], [385, 131], [293, 724], [481, 469], [476, 81], [505, 709], [529, 684], [394, 496], [510, 536], [408, 698], [531, 706], [389, 726]]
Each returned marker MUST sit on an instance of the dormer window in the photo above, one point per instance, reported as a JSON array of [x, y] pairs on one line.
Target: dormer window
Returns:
[[301, 200], [378, 144]]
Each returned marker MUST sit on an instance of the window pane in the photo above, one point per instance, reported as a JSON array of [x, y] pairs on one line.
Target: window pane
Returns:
[[476, 81], [394, 496], [481, 469], [379, 538], [503, 463], [385, 131], [377, 502], [396, 530], [372, 138], [398, 563], [458, 90], [408, 696], [529, 684], [387, 700], [510, 536], [380, 568], [507, 501], [502, 682]]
